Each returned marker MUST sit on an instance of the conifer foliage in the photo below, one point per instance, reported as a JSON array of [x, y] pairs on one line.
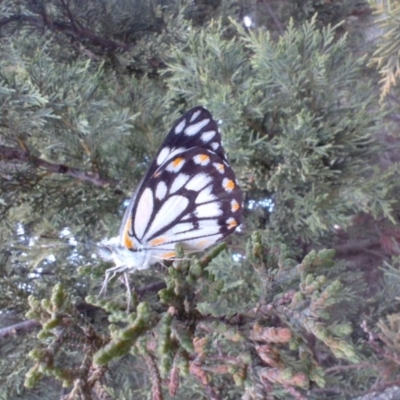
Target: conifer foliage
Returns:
[[301, 303]]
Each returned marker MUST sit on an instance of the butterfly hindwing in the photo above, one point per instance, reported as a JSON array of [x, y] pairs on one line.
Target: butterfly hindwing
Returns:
[[195, 196]]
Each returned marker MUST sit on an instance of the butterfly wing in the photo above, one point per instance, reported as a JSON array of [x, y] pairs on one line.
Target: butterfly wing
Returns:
[[189, 195], [195, 128], [196, 202]]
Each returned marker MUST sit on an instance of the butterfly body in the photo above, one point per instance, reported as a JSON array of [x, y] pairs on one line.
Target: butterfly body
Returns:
[[189, 196]]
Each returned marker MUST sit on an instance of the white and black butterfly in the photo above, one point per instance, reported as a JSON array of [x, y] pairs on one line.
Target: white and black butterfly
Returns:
[[189, 196]]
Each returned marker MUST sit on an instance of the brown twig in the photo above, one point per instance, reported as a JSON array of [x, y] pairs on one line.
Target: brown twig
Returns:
[[72, 30], [149, 289], [71, 18], [201, 375], [17, 329], [352, 366], [357, 247], [296, 394], [154, 375], [14, 154], [278, 24], [101, 392], [173, 385]]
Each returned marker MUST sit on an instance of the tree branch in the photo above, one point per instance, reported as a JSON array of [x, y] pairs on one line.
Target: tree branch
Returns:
[[73, 30], [152, 288], [278, 24], [19, 328], [356, 247], [14, 154]]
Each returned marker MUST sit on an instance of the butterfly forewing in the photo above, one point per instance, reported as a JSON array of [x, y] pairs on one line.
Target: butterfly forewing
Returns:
[[196, 128], [189, 194]]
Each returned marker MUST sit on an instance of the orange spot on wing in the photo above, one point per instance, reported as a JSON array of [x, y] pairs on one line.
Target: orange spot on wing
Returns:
[[203, 157], [234, 205], [178, 161], [170, 254], [158, 241], [126, 239], [220, 167], [229, 184], [231, 223], [202, 244]]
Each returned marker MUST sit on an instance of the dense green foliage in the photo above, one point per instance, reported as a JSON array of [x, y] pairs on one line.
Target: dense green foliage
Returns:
[[301, 303]]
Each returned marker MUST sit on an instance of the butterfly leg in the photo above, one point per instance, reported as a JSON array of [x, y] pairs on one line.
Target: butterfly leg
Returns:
[[110, 273], [129, 292]]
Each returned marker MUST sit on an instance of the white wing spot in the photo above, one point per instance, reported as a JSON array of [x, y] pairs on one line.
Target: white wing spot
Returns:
[[179, 181], [161, 190], [163, 155], [167, 153], [207, 234], [198, 182], [228, 184], [191, 130], [174, 152], [202, 242], [143, 212], [234, 205], [168, 212], [209, 210], [207, 136], [205, 195], [231, 222], [220, 167], [214, 145], [209, 226], [195, 115], [179, 127], [202, 159], [176, 165], [178, 229]]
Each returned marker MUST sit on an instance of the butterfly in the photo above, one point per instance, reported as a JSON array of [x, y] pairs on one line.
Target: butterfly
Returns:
[[189, 195]]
